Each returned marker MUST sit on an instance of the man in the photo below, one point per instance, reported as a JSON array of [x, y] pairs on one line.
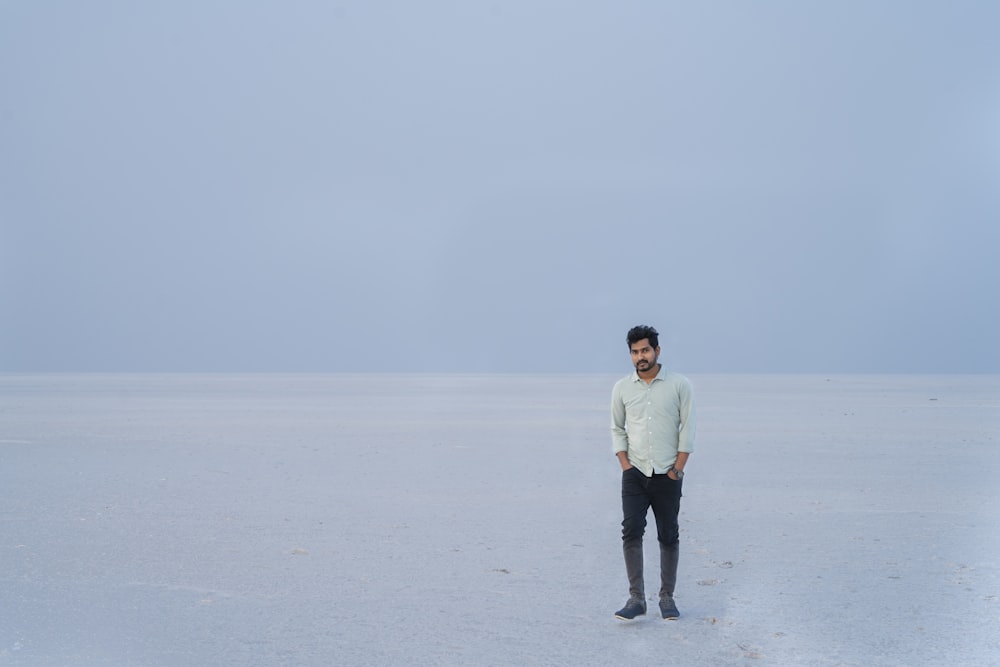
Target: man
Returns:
[[652, 430]]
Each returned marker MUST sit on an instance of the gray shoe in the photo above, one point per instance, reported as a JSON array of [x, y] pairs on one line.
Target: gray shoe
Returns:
[[631, 609], [668, 609]]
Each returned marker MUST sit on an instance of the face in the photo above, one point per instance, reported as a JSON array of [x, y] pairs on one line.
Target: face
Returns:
[[644, 356]]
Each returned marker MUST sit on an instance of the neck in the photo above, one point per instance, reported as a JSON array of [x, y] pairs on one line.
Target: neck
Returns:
[[650, 374]]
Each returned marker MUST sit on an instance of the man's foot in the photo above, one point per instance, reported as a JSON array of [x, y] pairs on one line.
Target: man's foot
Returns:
[[631, 609], [668, 609]]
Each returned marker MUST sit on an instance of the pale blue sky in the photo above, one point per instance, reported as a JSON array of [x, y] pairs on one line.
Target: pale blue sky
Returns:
[[504, 186]]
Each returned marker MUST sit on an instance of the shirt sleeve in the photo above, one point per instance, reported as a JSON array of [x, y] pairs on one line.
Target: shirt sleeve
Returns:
[[685, 440], [619, 438]]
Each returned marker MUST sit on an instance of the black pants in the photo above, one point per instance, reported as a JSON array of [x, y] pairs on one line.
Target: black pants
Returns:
[[639, 493]]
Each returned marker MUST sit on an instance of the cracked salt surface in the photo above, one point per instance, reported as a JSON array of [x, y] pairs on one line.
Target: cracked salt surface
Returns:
[[474, 520]]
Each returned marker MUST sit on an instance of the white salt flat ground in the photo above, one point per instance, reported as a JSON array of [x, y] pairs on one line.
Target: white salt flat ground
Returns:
[[474, 520]]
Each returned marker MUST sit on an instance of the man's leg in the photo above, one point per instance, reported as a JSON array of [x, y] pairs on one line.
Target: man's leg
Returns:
[[635, 504], [666, 504], [668, 580]]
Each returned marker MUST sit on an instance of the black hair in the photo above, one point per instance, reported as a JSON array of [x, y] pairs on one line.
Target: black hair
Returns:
[[635, 334]]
